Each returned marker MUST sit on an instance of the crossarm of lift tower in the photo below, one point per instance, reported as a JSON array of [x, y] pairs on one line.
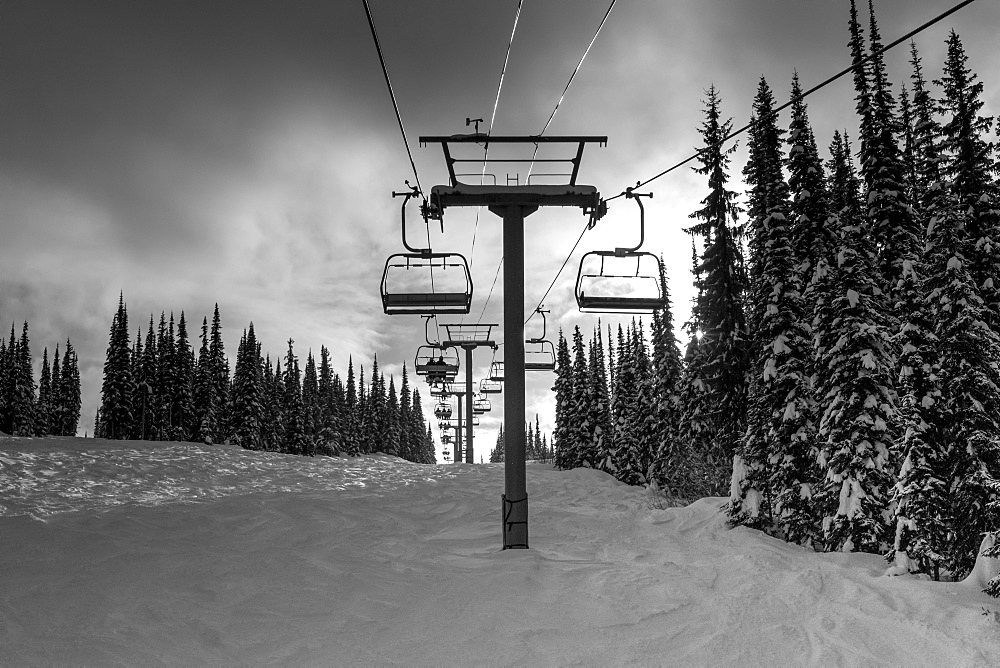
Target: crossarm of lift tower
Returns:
[[570, 193]]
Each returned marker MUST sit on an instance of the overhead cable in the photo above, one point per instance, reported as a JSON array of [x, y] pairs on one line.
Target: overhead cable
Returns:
[[815, 88], [385, 71]]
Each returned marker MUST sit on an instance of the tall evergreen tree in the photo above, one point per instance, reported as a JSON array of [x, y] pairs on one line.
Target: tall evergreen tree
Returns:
[[204, 399], [855, 382], [246, 394], [563, 389], [294, 409], [116, 391], [718, 372], [43, 408], [970, 167], [69, 393], [219, 366], [772, 473]]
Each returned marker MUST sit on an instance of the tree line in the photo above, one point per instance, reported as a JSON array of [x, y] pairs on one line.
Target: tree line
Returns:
[[158, 388], [841, 383], [536, 444], [52, 407]]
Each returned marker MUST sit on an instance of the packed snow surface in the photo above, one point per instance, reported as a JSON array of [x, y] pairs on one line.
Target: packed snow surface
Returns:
[[134, 553]]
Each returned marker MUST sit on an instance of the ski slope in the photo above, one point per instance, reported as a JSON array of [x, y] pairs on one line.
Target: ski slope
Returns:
[[135, 553]]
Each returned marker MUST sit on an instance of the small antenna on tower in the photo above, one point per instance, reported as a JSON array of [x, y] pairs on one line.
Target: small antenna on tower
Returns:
[[470, 121]]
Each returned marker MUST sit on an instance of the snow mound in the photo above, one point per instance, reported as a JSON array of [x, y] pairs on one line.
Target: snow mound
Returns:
[[129, 553]]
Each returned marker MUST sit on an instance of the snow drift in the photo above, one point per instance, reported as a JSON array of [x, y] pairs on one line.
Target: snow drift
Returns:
[[134, 553]]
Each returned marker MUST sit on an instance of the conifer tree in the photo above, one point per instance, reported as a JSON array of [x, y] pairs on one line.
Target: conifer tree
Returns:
[[563, 389], [772, 473], [295, 441], [246, 394], [970, 167], [599, 413], [667, 370], [69, 393], [116, 391], [310, 402], [716, 412], [351, 412], [204, 400], [389, 434], [855, 383], [409, 438], [182, 370], [43, 408], [219, 366], [273, 416], [965, 418], [57, 401]]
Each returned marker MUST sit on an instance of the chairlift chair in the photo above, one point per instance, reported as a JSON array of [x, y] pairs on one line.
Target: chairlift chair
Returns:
[[488, 386], [442, 411], [623, 280], [481, 405], [421, 282], [496, 371], [437, 363], [542, 357]]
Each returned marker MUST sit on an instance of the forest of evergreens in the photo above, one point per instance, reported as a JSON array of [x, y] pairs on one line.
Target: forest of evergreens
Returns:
[[841, 383], [161, 390]]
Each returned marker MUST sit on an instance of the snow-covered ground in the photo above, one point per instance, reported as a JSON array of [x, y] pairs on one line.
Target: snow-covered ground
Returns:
[[133, 553]]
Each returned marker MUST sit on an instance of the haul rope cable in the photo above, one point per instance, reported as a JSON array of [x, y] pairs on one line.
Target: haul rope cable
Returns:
[[774, 112], [544, 128], [810, 91], [402, 131], [496, 103]]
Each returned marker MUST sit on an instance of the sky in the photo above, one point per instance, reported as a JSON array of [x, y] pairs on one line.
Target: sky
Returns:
[[185, 154]]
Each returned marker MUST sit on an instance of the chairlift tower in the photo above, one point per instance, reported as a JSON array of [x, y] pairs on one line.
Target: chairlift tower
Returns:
[[468, 337], [513, 203]]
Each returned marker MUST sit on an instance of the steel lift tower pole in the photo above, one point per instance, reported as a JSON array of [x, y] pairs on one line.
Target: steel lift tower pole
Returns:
[[513, 203]]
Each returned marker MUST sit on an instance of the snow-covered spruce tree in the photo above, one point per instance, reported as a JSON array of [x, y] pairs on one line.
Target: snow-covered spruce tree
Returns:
[[408, 440], [43, 407], [352, 410], [563, 389], [666, 377], [145, 400], [246, 394], [497, 453], [579, 444], [890, 218], [69, 392], [969, 376], [203, 397], [624, 396], [719, 369], [295, 442], [220, 377], [647, 428], [602, 438], [58, 405], [116, 390], [751, 498], [310, 402], [920, 496], [778, 452], [970, 166], [389, 435], [182, 371], [855, 383]]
